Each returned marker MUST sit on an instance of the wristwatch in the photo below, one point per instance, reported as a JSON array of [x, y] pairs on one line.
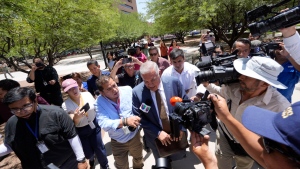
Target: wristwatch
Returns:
[[82, 161]]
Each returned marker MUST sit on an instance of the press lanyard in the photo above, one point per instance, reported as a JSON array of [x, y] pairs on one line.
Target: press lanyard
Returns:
[[35, 133]]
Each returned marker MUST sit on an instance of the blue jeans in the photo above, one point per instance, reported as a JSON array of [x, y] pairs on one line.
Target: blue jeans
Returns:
[[92, 143]]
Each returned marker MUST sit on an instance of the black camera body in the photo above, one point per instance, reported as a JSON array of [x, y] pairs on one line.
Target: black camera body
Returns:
[[131, 50], [193, 116], [119, 55], [283, 20], [220, 68]]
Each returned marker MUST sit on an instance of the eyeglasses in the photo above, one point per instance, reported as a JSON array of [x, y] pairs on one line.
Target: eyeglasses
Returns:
[[25, 108], [153, 54], [129, 67], [270, 145]]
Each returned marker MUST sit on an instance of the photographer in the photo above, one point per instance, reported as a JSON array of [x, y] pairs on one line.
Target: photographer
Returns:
[[130, 77], [45, 80], [244, 47], [258, 75], [271, 139]]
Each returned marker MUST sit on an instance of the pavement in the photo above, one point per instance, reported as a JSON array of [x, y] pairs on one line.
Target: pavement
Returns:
[[78, 64]]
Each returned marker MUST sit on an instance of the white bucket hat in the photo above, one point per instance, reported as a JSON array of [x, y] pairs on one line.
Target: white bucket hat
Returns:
[[261, 68]]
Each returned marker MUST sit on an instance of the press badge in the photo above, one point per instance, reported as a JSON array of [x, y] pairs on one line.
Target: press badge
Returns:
[[52, 166], [126, 130], [42, 146], [92, 125], [45, 83]]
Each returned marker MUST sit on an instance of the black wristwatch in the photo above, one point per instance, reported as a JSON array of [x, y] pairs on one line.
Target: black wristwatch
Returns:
[[82, 161]]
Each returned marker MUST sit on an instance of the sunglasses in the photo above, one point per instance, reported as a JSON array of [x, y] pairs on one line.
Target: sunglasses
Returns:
[[153, 54], [271, 145]]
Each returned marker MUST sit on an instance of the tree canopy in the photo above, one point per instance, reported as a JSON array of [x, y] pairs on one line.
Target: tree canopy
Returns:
[[222, 16], [31, 28]]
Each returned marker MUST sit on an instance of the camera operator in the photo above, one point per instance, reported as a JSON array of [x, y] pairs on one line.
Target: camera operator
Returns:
[[271, 138], [130, 77], [244, 47], [140, 56], [258, 75], [45, 80], [291, 40], [114, 115], [290, 74]]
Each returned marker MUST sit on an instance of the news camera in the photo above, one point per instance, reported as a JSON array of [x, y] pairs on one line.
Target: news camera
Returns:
[[119, 55], [193, 116], [281, 20], [220, 68]]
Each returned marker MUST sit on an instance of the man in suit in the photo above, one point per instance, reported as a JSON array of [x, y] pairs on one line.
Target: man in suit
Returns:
[[156, 93]]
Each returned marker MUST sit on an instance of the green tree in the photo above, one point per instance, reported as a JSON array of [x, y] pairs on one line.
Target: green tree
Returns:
[[46, 28], [220, 16], [131, 27], [173, 16]]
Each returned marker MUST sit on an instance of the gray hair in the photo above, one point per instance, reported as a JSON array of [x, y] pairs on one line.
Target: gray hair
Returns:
[[175, 53], [148, 67]]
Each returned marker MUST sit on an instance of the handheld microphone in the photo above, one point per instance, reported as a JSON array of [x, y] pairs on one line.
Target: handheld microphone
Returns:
[[147, 103]]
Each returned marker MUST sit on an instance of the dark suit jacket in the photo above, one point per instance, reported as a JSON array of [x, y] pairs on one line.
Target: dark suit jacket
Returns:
[[150, 120]]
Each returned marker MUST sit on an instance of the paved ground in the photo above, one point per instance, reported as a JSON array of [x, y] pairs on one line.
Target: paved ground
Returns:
[[78, 64]]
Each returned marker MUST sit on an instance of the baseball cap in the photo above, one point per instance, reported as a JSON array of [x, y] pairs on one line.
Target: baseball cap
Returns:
[[281, 127], [68, 84], [261, 68]]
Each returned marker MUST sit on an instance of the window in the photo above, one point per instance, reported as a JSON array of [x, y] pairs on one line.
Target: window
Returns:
[[127, 6], [125, 12], [129, 1]]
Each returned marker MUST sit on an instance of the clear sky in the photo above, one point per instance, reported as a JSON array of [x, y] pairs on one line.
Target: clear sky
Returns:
[[141, 6]]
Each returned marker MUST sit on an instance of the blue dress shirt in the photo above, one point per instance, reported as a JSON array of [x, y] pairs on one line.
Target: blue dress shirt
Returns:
[[109, 113]]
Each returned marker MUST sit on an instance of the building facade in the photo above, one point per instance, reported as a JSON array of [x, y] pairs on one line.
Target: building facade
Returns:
[[128, 6]]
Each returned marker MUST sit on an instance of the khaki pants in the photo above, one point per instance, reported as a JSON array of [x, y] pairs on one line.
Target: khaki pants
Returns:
[[120, 152], [225, 155]]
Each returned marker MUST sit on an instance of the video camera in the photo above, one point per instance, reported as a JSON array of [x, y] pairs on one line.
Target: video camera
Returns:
[[193, 116], [220, 68], [267, 49], [282, 20], [207, 48], [119, 55]]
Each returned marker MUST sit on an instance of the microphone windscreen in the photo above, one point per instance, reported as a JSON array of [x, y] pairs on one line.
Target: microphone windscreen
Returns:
[[174, 100]]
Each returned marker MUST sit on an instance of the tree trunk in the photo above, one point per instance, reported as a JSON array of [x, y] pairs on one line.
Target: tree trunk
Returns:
[[103, 54]]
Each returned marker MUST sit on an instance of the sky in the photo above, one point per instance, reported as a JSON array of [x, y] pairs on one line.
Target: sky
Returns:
[[141, 6]]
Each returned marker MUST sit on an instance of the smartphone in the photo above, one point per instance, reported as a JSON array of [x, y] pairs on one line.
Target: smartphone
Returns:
[[86, 107], [126, 60]]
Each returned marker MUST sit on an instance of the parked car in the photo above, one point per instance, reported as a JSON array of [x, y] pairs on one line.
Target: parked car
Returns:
[[195, 32]]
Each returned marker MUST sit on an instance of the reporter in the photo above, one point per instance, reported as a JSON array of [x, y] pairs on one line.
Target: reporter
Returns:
[[85, 122], [272, 139]]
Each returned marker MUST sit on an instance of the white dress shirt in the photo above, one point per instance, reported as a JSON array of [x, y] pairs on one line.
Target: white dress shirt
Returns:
[[186, 77], [163, 98]]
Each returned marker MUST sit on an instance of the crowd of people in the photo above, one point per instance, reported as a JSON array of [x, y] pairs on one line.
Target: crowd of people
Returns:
[[257, 122]]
